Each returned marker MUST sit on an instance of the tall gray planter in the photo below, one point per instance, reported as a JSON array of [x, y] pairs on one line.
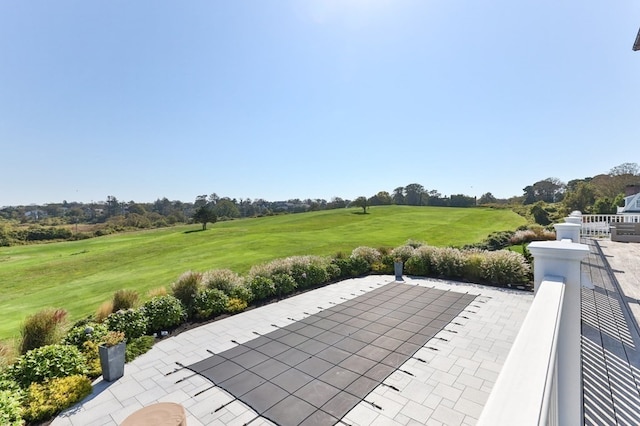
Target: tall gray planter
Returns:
[[397, 268], [112, 361]]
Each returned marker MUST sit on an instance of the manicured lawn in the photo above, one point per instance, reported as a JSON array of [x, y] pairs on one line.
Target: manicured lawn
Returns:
[[80, 275]]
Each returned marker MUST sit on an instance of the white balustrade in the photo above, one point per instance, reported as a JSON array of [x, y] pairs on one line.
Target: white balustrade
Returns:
[[541, 380]]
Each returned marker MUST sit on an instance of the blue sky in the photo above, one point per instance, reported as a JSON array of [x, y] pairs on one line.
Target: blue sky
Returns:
[[311, 99]]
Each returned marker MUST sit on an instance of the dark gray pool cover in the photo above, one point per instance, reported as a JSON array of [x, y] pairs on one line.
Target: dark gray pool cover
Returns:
[[312, 372]]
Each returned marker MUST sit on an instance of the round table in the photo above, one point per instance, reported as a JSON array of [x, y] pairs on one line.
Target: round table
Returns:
[[160, 414]]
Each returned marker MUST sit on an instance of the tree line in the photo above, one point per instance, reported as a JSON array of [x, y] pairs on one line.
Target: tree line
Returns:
[[544, 201]]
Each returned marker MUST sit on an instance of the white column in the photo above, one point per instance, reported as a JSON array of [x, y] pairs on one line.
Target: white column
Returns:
[[562, 258], [574, 219], [569, 231]]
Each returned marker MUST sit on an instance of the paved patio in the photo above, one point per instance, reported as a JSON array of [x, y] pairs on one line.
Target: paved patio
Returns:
[[447, 381]]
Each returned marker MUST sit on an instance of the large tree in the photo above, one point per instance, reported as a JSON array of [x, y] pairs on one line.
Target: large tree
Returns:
[[413, 194], [204, 214], [361, 202]]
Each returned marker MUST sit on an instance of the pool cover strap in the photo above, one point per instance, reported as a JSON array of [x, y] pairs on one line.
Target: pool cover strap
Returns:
[[314, 371]]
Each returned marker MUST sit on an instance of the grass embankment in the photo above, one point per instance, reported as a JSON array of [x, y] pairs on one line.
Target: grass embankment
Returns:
[[79, 275]]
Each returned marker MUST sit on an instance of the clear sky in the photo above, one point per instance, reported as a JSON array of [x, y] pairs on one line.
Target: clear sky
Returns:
[[311, 98]]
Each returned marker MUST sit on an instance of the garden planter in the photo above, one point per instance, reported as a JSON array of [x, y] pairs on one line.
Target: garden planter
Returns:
[[397, 268], [112, 361]]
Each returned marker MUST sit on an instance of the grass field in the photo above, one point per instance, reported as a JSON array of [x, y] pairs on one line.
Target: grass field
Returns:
[[80, 275]]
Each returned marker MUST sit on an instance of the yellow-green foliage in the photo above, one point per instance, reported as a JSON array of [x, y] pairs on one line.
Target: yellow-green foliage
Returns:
[[43, 400], [90, 352], [235, 305]]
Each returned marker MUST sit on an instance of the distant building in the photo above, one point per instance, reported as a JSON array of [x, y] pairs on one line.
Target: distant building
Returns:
[[631, 201]]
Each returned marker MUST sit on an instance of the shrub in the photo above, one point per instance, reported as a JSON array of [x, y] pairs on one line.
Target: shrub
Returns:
[[472, 270], [104, 310], [242, 292], [284, 284], [81, 333], [222, 279], [11, 397], [43, 400], [132, 322], [210, 303], [90, 351], [262, 287], [138, 346], [186, 288], [235, 306], [448, 262], [504, 267], [370, 255], [42, 328], [47, 362], [163, 312], [125, 299], [403, 252], [421, 261]]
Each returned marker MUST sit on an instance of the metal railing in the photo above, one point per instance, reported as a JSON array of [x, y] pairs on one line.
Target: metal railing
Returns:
[[597, 225], [526, 391]]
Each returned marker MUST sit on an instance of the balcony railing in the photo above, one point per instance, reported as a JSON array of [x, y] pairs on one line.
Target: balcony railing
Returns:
[[526, 390], [540, 381], [597, 225]]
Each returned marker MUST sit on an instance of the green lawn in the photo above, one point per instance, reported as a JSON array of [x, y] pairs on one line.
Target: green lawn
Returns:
[[80, 275]]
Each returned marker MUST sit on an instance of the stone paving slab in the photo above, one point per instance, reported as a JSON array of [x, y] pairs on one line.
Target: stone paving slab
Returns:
[[446, 382]]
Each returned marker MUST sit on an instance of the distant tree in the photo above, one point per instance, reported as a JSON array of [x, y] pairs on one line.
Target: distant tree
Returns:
[[382, 198], [540, 215], [550, 190], [204, 214], [226, 208], [201, 200], [336, 203], [581, 199], [361, 202], [398, 195], [413, 194], [625, 169], [487, 198], [136, 209], [112, 206], [461, 200]]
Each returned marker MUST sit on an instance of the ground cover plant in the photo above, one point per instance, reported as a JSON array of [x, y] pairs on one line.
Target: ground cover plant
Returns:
[[80, 275]]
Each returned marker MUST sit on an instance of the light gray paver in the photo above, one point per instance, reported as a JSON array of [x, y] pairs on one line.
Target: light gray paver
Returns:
[[446, 382]]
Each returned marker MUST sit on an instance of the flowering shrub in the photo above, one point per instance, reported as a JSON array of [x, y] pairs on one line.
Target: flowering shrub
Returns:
[[421, 261], [504, 267], [81, 333], [369, 254], [210, 303], [163, 312], [448, 262], [46, 362], [403, 252], [43, 400], [222, 279], [132, 322]]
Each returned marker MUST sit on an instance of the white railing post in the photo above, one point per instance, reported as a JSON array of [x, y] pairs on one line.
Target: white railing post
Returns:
[[562, 258], [568, 231]]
